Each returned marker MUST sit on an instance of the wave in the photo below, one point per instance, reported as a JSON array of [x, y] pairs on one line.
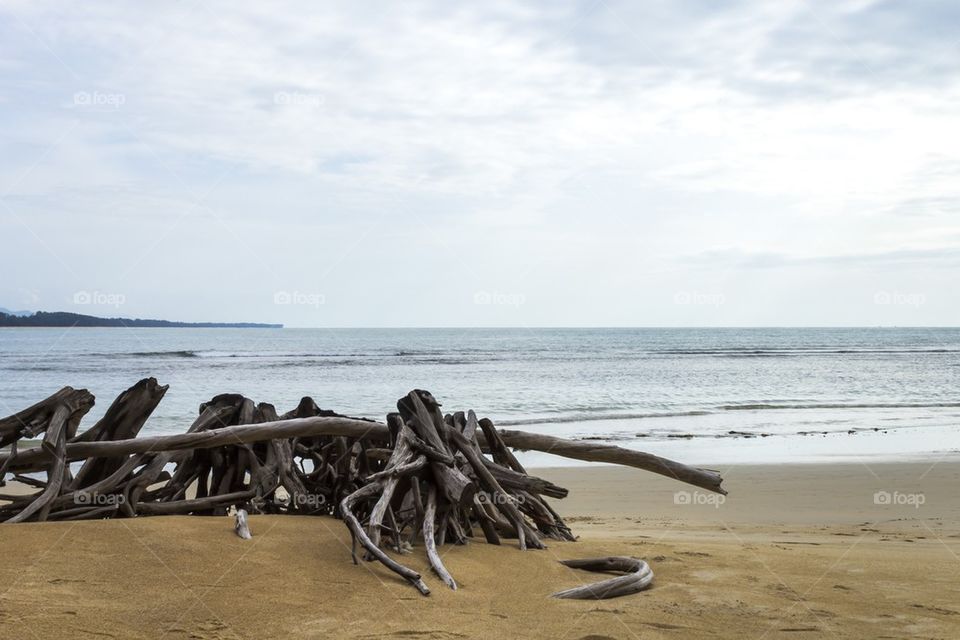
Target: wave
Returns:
[[602, 416], [220, 354], [151, 354], [462, 355], [329, 361], [593, 417], [427, 357], [761, 406], [793, 352]]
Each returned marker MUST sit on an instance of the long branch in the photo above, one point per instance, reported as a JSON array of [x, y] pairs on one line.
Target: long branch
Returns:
[[593, 452], [33, 459]]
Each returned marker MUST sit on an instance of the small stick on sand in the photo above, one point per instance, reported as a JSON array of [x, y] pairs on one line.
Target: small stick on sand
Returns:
[[241, 528]]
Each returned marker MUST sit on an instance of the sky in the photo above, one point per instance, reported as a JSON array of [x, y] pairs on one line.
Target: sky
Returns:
[[596, 163]]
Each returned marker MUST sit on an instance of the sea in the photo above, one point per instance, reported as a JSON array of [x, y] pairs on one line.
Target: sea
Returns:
[[704, 396]]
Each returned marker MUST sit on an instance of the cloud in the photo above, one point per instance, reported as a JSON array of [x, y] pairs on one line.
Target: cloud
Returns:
[[943, 257], [599, 139]]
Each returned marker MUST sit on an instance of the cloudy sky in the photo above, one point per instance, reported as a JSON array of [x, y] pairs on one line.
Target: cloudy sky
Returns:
[[497, 163]]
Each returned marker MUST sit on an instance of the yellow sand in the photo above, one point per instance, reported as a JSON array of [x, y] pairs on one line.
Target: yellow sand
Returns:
[[794, 552]]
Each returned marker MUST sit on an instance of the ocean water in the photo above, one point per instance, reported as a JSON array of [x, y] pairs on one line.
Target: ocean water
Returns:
[[698, 395]]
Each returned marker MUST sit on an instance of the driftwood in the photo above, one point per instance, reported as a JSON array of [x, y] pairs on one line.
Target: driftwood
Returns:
[[592, 452], [57, 419], [35, 420], [637, 577], [421, 475], [123, 420]]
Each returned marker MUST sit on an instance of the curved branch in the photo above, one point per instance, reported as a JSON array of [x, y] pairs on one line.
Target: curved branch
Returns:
[[638, 577], [346, 511]]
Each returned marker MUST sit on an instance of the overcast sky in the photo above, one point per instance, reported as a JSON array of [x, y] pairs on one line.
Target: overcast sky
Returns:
[[523, 164]]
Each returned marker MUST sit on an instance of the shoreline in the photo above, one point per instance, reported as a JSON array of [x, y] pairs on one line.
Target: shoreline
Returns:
[[740, 443]]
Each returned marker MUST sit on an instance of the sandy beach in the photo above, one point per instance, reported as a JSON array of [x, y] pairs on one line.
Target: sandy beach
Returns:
[[795, 551], [418, 320]]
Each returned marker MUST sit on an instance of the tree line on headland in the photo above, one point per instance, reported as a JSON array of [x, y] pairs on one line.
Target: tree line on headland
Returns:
[[67, 319]]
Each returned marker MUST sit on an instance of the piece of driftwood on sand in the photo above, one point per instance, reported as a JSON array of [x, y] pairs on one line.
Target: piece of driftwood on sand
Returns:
[[442, 478]]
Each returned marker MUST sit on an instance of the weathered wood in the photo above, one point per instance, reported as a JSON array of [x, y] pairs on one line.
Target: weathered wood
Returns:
[[637, 577], [41, 504], [502, 500], [593, 452], [281, 430], [456, 487], [7, 461], [358, 533], [122, 420], [35, 419], [429, 518], [195, 505], [404, 461], [84, 513], [494, 441], [418, 509], [512, 480], [209, 417]]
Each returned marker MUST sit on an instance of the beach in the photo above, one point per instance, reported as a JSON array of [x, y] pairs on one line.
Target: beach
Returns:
[[422, 320], [794, 551]]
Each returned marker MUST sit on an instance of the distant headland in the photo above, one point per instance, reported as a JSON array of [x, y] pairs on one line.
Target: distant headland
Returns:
[[67, 319]]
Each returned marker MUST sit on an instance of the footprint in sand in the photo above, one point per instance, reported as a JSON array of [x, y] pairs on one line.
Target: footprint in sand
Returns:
[[940, 610], [663, 625], [209, 630], [439, 634], [786, 592]]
